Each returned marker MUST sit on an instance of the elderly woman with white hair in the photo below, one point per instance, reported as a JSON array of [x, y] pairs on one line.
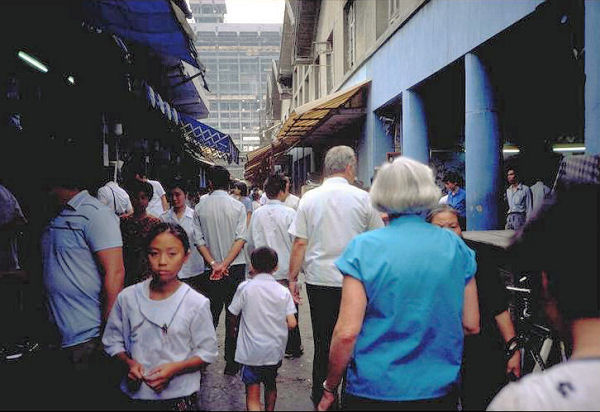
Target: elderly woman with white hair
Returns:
[[408, 298]]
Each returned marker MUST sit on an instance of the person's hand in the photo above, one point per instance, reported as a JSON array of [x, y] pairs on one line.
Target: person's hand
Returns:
[[158, 378], [218, 271], [136, 371], [295, 291], [327, 400], [514, 365]]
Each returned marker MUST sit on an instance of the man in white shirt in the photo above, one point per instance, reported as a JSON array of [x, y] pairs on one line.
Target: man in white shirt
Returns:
[[291, 200], [328, 217], [220, 235], [539, 193], [568, 228], [158, 204], [269, 227], [115, 197]]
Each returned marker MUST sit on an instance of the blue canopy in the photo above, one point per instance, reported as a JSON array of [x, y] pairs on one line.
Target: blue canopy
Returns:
[[152, 23], [212, 138]]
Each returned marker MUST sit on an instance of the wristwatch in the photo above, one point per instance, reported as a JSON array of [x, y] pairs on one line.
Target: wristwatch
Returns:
[[327, 389], [212, 263]]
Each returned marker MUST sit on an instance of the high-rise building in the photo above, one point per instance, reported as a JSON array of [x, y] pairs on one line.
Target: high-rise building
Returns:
[[238, 59]]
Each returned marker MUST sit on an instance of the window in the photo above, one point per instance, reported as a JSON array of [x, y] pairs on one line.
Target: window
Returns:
[[317, 78], [306, 90], [329, 63], [350, 34]]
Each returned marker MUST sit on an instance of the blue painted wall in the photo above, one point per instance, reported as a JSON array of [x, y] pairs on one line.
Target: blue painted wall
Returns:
[[441, 32]]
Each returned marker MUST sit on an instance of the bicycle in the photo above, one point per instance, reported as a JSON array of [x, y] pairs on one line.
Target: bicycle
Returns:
[[540, 346]]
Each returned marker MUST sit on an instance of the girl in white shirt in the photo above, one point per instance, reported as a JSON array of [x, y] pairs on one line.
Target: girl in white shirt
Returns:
[[162, 330]]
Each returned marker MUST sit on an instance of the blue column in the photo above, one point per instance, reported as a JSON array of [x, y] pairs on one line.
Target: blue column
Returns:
[[415, 142], [482, 147], [592, 77]]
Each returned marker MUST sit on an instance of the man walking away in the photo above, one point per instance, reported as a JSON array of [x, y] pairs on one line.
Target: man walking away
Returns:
[[220, 232], [269, 227], [328, 217]]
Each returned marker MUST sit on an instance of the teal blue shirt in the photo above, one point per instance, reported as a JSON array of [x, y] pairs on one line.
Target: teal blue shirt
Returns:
[[411, 342]]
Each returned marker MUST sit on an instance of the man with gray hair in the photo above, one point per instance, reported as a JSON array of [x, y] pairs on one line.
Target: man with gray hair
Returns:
[[328, 217]]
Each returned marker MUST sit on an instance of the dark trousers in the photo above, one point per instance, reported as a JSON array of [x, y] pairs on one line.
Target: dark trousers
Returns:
[[356, 403], [294, 342], [220, 293], [324, 305]]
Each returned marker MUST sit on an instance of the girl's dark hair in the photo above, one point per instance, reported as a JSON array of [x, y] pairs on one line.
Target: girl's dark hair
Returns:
[[242, 187], [178, 184], [171, 228], [134, 187]]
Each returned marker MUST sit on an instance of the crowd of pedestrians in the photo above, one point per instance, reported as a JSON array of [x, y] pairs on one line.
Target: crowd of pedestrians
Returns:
[[404, 314]]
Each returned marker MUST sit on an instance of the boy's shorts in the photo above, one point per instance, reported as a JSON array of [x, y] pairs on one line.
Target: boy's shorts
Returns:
[[252, 375]]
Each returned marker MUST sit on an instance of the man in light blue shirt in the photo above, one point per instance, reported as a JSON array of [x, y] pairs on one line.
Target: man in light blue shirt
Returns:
[[520, 203], [83, 273]]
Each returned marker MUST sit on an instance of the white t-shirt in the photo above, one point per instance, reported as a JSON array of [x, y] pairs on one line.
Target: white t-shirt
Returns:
[[155, 204], [329, 216], [292, 201], [113, 196], [263, 332], [135, 326], [269, 227], [573, 385]]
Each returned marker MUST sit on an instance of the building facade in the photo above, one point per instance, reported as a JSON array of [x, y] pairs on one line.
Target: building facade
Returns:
[[238, 59], [457, 84]]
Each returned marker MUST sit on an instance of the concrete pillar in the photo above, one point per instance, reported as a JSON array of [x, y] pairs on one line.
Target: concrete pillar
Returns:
[[415, 142], [592, 77], [482, 147]]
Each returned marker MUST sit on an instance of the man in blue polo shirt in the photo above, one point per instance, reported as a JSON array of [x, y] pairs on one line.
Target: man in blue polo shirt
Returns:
[[457, 197], [83, 273]]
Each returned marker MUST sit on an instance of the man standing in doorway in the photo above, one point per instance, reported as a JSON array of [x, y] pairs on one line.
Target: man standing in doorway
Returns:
[[328, 217], [158, 204], [220, 235], [519, 200]]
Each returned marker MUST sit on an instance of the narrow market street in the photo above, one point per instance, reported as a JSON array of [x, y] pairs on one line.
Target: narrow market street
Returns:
[[220, 392]]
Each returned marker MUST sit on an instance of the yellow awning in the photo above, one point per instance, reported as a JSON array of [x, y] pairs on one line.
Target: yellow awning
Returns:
[[306, 118]]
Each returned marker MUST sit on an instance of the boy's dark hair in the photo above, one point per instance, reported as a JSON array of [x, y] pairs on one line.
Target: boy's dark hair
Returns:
[[563, 241], [178, 183], [172, 228], [451, 177], [274, 184], [264, 260], [243, 188], [135, 186], [219, 177]]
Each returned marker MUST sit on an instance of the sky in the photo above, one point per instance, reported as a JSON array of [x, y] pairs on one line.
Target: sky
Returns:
[[255, 11]]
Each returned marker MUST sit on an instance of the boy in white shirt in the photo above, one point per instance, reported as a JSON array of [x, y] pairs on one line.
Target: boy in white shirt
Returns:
[[268, 312]]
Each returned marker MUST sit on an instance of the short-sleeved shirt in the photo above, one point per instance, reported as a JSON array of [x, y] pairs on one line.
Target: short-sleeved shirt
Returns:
[[458, 201], [10, 211], [71, 277], [195, 263], [292, 201], [155, 207], [113, 196], [269, 227], [247, 202], [220, 220], [329, 216], [155, 332], [135, 232], [519, 199], [569, 386], [263, 332], [414, 275]]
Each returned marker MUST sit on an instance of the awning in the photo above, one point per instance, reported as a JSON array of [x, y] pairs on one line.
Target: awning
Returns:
[[152, 23], [212, 142], [308, 118], [319, 118]]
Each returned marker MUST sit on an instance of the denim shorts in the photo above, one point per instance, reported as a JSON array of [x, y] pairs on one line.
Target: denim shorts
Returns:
[[252, 375]]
